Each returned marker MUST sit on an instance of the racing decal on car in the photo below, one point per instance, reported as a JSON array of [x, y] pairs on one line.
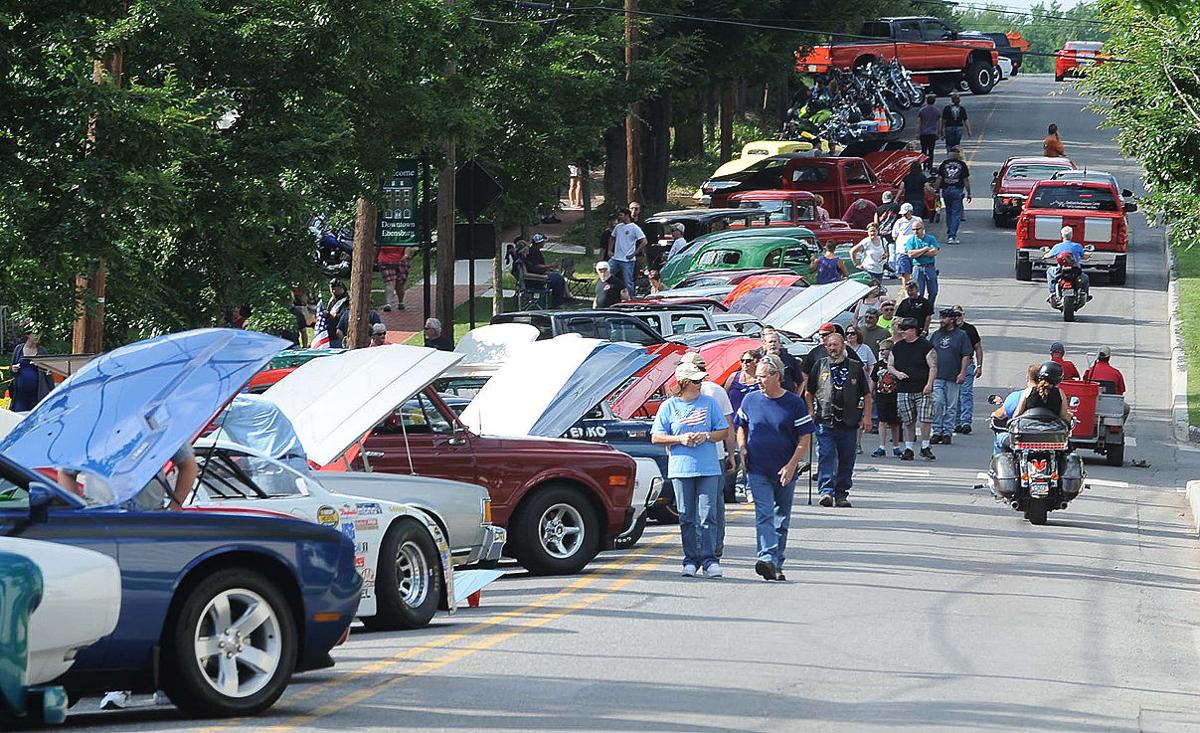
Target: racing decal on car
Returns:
[[590, 432], [366, 524], [360, 548], [368, 585], [366, 509], [328, 516], [348, 529]]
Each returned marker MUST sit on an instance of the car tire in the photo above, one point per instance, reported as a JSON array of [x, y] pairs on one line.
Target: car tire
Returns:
[[1024, 270], [408, 579], [979, 77], [1116, 275], [627, 541], [1114, 454], [558, 532], [1058, 77], [999, 219], [259, 618]]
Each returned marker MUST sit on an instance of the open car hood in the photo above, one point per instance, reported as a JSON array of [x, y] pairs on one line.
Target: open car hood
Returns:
[[761, 302], [627, 399], [803, 314], [125, 413], [8, 421], [485, 348], [548, 386], [334, 401]]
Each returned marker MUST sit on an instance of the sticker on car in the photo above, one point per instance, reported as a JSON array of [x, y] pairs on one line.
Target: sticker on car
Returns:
[[328, 516]]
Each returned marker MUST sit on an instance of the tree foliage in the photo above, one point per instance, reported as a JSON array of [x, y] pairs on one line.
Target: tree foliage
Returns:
[[1046, 26]]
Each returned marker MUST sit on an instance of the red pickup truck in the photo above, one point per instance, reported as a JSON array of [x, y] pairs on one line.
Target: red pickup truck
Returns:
[[933, 51], [1095, 212], [839, 180], [798, 208]]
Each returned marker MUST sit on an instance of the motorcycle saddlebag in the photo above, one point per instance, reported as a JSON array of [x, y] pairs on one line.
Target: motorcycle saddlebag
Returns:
[[1072, 474], [1003, 475]]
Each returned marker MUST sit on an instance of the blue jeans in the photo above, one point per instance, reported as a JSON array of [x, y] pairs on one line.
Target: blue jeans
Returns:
[[624, 268], [772, 515], [966, 397], [953, 196], [836, 452], [927, 284], [953, 136], [697, 499], [1052, 272], [945, 406]]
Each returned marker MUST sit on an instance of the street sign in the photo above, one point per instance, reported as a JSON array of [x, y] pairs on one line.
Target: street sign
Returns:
[[400, 210], [474, 190]]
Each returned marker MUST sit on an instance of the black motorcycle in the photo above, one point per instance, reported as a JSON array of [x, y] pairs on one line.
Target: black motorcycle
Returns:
[[1069, 294], [1035, 472], [335, 247]]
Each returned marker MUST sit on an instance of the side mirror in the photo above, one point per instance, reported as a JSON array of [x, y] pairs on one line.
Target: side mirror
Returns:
[[1126, 193], [995, 175], [1130, 207], [40, 499]]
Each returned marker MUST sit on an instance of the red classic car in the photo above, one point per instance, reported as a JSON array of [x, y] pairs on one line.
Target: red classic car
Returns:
[[1075, 57], [1093, 209], [1015, 179], [798, 208]]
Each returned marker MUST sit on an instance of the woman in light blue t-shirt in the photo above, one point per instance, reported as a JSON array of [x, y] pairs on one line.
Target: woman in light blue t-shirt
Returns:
[[691, 425]]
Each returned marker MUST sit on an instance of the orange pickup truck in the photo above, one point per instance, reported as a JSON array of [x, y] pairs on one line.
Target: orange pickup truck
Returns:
[[931, 50]]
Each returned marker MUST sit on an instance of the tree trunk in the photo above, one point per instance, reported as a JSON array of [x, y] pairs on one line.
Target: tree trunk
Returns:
[[728, 101], [656, 149], [688, 119], [614, 167], [362, 267], [445, 240]]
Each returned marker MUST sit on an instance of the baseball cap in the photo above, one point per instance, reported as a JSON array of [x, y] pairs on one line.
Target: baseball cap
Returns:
[[958, 309], [378, 328], [906, 208], [886, 302], [947, 313], [827, 328], [538, 238], [1057, 348], [689, 371], [888, 196], [601, 265], [1105, 351], [907, 323], [677, 227], [693, 357]]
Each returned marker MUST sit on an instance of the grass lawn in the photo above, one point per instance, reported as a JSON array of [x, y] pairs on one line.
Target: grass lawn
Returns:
[[1187, 262]]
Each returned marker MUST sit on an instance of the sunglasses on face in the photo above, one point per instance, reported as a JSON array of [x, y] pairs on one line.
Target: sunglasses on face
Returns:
[[749, 361]]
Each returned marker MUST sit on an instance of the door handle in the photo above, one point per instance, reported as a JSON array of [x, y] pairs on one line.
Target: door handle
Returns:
[[456, 441], [373, 454]]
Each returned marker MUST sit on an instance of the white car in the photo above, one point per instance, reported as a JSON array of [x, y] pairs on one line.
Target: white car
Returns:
[[1003, 68], [80, 600], [401, 552]]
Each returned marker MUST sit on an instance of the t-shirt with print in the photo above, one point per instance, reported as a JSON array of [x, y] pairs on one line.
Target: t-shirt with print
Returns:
[[954, 172], [773, 427], [677, 416], [954, 115], [608, 292], [884, 381], [951, 347], [915, 307], [627, 236]]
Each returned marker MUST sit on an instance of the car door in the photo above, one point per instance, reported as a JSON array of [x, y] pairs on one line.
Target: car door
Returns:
[[424, 438], [941, 56]]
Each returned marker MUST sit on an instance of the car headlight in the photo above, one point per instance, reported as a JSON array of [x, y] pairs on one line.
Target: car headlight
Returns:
[[719, 185]]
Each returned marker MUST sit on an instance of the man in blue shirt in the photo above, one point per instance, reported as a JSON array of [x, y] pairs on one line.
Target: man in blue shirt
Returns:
[[923, 248], [773, 434], [1009, 407], [1077, 251]]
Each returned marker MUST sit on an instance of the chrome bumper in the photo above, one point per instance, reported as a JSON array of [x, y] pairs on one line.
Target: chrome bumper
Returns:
[[493, 543]]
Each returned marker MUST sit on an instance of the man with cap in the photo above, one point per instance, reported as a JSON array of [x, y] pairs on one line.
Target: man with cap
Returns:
[[954, 181], [885, 216], [839, 399], [953, 349], [966, 396], [678, 242], [378, 334], [914, 364], [773, 429], [1103, 371], [725, 449], [873, 331], [914, 306], [610, 289], [821, 350], [435, 338], [1057, 355], [902, 231], [887, 314]]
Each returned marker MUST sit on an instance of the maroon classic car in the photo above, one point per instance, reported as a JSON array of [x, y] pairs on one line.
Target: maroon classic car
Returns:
[[1013, 182]]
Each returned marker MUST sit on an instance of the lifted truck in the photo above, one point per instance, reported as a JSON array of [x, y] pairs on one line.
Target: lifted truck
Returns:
[[933, 51]]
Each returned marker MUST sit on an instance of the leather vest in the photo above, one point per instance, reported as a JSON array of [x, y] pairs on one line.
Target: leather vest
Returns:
[[846, 411]]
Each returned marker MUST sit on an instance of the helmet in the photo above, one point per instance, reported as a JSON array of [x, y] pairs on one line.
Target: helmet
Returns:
[[1050, 371], [1065, 259]]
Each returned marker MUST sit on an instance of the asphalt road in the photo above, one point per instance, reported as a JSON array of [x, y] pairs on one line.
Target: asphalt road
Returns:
[[925, 607]]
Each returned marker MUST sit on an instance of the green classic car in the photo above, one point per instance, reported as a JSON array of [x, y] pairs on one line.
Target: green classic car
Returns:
[[739, 249]]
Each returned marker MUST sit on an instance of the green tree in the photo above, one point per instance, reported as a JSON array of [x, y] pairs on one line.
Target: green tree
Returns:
[[1045, 26]]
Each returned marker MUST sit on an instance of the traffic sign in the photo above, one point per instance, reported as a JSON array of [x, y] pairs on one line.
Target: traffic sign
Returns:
[[474, 190]]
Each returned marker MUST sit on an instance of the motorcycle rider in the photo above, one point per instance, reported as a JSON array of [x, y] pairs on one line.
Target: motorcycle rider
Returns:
[[1076, 250], [1046, 393], [1002, 414]]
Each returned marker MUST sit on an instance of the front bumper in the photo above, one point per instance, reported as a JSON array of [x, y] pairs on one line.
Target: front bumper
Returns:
[[493, 543]]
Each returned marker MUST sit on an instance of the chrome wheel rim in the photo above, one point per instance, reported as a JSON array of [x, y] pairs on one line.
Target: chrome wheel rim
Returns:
[[561, 531], [412, 574], [238, 643]]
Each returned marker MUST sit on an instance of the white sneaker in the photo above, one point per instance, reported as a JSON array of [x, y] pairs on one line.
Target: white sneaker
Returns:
[[160, 698], [714, 571], [118, 700], [689, 570]]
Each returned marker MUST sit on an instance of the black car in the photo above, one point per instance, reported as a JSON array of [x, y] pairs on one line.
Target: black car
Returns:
[[1004, 46], [607, 325]]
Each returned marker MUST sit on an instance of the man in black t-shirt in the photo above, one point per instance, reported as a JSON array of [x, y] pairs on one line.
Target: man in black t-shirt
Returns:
[[954, 122], [913, 362], [966, 397], [609, 288], [916, 307], [954, 181]]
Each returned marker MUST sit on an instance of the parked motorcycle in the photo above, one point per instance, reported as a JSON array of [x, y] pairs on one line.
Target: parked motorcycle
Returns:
[[1036, 472], [1069, 293], [335, 247]]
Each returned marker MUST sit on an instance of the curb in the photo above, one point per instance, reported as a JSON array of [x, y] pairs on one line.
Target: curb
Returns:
[[1179, 405], [1193, 499]]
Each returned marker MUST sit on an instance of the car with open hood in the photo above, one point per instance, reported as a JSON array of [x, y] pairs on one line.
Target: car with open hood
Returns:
[[600, 323], [224, 608], [1014, 181], [389, 419]]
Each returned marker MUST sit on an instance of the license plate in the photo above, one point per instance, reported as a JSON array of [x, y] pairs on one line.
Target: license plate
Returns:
[[1039, 488]]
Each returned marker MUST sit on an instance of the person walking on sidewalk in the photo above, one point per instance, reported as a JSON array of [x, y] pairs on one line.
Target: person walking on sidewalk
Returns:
[[690, 424], [902, 231], [954, 181], [954, 122], [773, 433], [966, 396], [922, 248], [914, 364], [726, 449], [953, 348], [394, 265], [839, 399], [871, 254], [884, 402]]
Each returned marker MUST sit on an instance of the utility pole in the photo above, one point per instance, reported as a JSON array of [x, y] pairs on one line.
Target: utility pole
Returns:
[[366, 215], [445, 224], [633, 149]]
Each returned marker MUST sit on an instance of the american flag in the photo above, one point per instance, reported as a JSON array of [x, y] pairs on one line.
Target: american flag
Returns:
[[320, 330], [698, 416]]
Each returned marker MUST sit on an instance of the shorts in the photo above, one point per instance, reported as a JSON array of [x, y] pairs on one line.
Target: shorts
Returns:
[[886, 405], [904, 264], [914, 407]]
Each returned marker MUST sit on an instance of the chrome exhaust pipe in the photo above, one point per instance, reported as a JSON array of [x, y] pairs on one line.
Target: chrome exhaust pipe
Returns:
[[1015, 504]]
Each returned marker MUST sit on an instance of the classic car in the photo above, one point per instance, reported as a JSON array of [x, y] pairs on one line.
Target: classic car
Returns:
[[1015, 179], [719, 277], [1096, 213], [532, 482], [218, 611], [788, 247], [605, 324], [669, 318], [799, 208], [755, 282], [817, 304], [696, 223], [42, 587], [1074, 58]]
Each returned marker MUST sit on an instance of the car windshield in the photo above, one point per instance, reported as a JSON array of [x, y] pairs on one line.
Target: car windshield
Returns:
[[1032, 171], [1075, 198], [233, 476]]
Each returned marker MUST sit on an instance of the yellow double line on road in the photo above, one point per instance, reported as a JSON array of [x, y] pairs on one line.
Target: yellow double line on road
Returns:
[[361, 694]]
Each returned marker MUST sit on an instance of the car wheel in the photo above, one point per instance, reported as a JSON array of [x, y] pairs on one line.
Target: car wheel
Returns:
[[408, 581], [1024, 270], [1116, 275], [979, 77], [232, 646], [559, 532], [997, 75]]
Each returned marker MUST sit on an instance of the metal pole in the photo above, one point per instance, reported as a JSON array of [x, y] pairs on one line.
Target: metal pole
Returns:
[[426, 243], [810, 469], [471, 253]]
